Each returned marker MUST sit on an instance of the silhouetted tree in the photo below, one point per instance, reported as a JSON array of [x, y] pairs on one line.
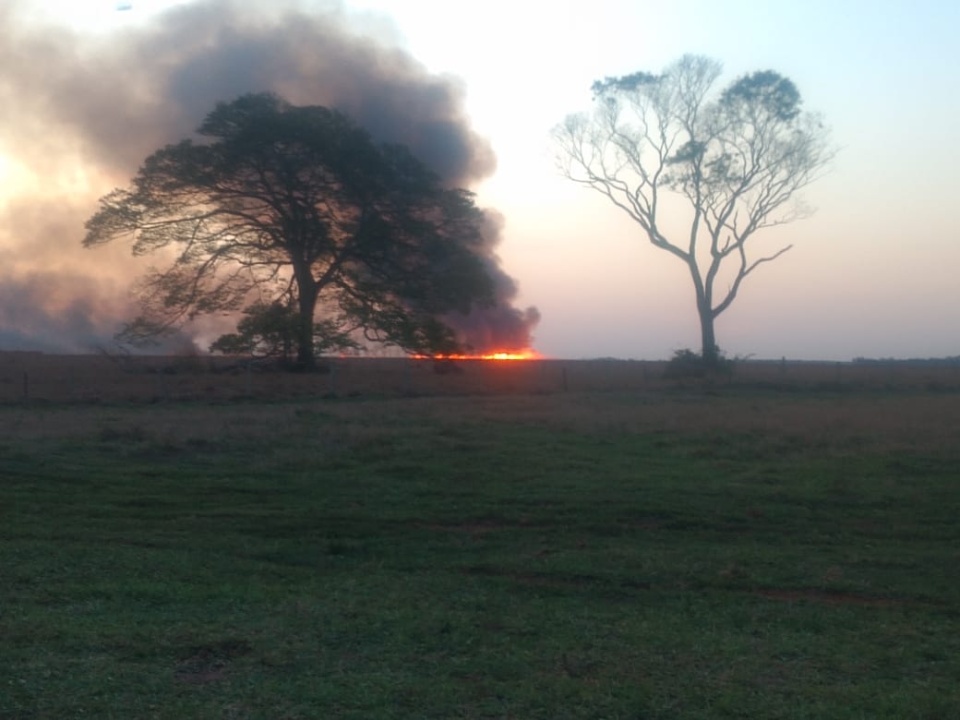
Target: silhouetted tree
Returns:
[[299, 202], [736, 160]]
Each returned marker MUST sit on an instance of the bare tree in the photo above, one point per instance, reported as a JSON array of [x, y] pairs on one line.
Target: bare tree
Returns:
[[735, 160]]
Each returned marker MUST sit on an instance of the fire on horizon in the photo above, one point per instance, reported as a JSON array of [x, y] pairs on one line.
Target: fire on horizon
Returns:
[[507, 355]]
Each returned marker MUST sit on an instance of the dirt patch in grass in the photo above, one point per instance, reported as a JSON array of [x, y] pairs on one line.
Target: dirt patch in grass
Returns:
[[209, 663], [561, 580], [830, 597], [481, 526]]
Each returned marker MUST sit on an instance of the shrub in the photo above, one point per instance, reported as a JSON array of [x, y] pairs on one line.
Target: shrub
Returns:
[[686, 364]]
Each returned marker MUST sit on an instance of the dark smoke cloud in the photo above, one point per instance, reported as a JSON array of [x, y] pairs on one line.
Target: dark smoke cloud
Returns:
[[501, 326], [84, 111]]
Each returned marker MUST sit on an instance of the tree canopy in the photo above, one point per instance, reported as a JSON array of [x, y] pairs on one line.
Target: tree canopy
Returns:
[[276, 203], [735, 159]]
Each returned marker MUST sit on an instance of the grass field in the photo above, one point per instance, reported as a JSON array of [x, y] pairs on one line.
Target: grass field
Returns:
[[659, 552]]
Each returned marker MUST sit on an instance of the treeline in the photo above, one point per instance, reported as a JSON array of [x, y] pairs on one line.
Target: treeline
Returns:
[[952, 360]]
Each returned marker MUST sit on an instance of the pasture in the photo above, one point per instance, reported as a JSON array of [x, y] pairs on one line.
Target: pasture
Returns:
[[511, 540]]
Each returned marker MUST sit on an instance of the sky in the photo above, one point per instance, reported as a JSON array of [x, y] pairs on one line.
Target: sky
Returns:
[[872, 273]]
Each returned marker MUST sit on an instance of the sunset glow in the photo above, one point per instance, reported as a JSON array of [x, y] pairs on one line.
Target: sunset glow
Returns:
[[7, 173]]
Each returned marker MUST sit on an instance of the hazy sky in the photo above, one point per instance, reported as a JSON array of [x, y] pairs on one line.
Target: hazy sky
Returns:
[[872, 273]]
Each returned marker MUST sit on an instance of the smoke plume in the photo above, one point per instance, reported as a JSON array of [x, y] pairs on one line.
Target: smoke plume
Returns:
[[83, 110]]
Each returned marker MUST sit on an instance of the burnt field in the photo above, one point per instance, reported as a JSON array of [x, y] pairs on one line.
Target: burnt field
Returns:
[[39, 377]]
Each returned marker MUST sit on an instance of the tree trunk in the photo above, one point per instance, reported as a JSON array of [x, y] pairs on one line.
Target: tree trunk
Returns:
[[307, 302], [708, 338]]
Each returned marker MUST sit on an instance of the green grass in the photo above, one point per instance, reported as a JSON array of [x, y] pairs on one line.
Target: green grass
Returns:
[[383, 559]]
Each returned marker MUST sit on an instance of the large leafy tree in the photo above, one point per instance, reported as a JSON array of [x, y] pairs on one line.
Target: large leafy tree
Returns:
[[735, 160], [299, 205]]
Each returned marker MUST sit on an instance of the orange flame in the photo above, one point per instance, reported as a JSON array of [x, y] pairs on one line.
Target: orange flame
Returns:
[[526, 354]]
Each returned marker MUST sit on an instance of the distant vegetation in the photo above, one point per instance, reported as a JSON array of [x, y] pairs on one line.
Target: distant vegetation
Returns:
[[953, 360], [112, 378]]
